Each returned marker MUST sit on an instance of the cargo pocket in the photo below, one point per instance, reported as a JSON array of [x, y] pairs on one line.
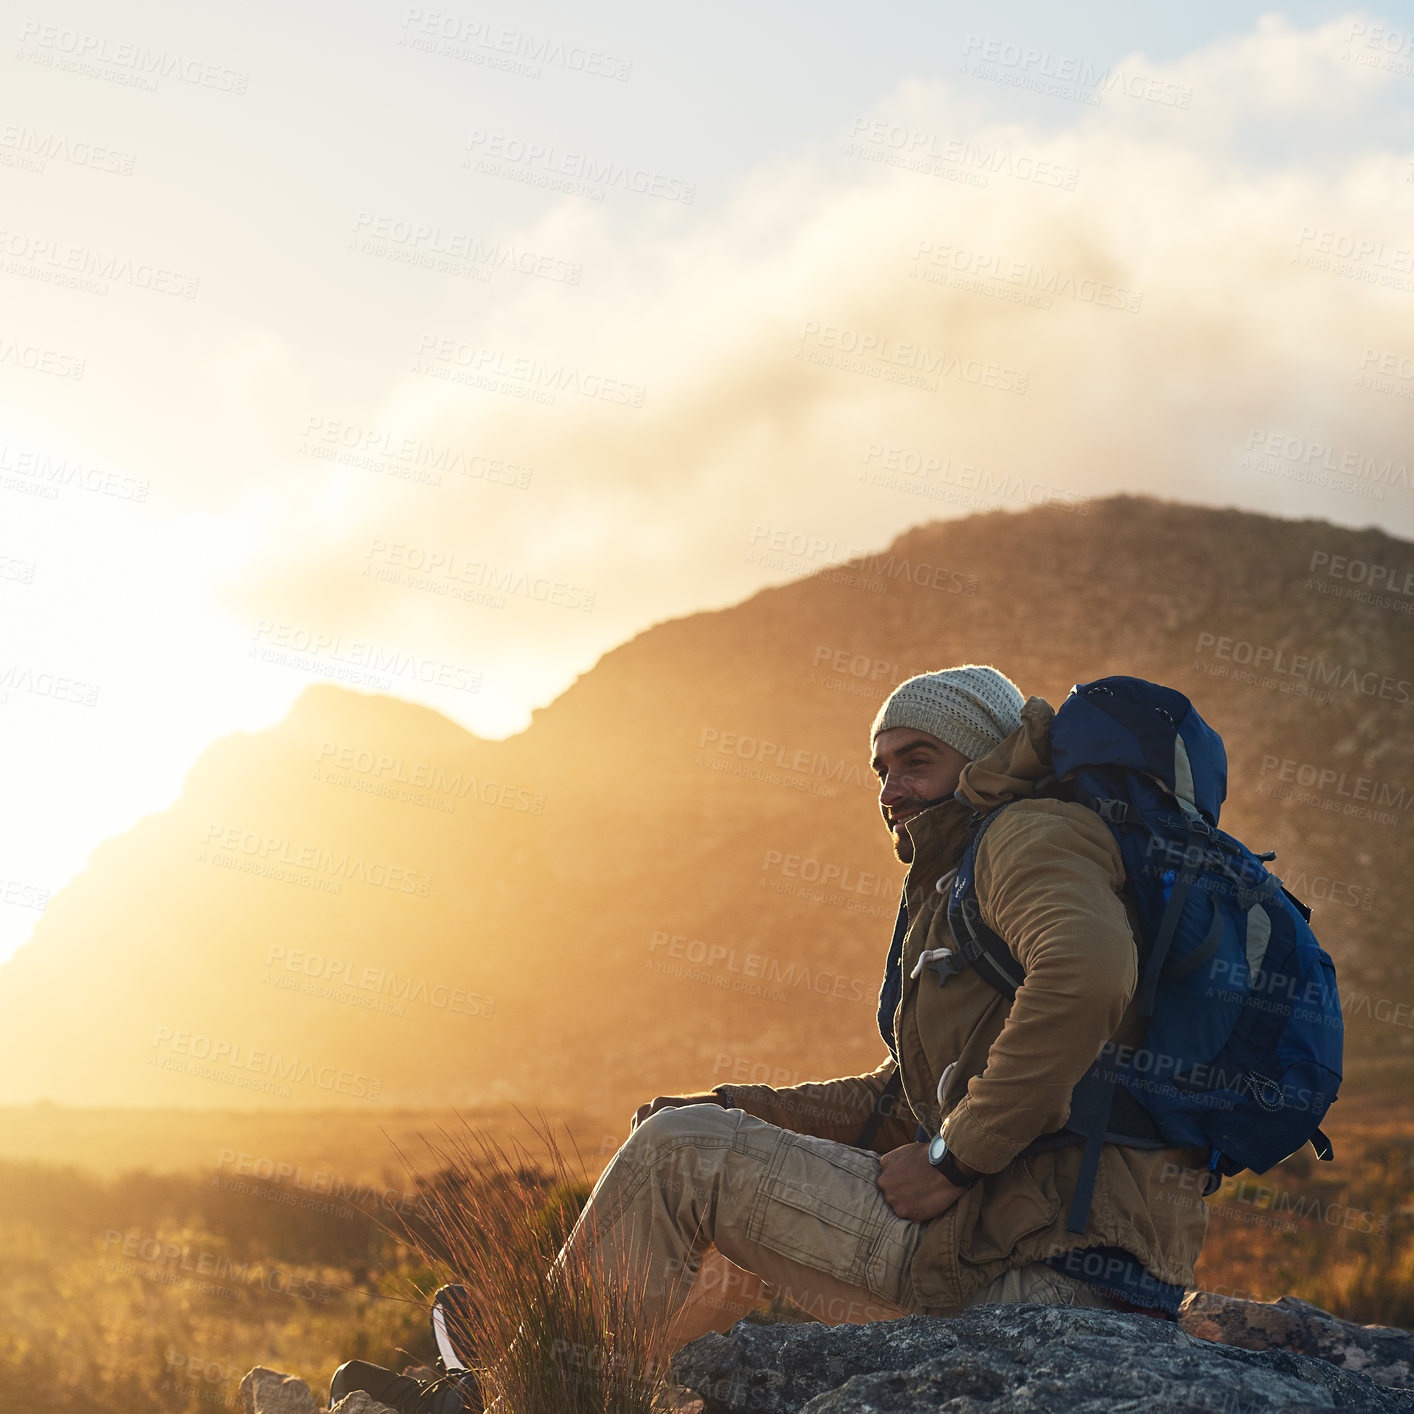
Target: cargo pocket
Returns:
[[819, 1205], [1013, 1207]]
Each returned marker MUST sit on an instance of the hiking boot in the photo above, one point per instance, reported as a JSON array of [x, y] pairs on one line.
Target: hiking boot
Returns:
[[450, 1392], [454, 1327]]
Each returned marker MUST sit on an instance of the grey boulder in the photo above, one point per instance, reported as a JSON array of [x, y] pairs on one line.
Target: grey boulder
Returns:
[[991, 1359]]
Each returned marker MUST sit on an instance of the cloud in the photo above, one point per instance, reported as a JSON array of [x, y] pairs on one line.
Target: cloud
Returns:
[[1045, 277], [1146, 293]]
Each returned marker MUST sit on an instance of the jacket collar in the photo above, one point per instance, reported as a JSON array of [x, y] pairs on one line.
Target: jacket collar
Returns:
[[939, 835], [1011, 770]]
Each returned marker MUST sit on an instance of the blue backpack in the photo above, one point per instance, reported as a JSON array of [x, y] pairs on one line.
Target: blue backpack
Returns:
[[1242, 1054]]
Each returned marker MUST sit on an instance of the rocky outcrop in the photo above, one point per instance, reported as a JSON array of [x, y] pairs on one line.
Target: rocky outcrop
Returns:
[[270, 1392], [1009, 1358], [1225, 1356], [1384, 1353]]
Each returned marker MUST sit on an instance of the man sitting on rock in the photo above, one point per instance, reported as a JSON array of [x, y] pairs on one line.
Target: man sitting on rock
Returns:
[[771, 1177], [943, 1210]]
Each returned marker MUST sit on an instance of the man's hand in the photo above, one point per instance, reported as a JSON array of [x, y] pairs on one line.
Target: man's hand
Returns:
[[665, 1102], [912, 1187]]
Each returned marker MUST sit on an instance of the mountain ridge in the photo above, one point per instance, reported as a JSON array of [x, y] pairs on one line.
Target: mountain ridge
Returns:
[[565, 916]]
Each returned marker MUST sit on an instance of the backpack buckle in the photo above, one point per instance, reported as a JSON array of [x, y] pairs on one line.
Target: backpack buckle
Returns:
[[1113, 812]]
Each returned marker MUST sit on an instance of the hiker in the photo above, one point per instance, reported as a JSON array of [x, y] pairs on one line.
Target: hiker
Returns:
[[862, 1210], [942, 1211]]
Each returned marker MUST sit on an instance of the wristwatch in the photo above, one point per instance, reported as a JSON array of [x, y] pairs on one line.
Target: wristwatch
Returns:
[[949, 1165]]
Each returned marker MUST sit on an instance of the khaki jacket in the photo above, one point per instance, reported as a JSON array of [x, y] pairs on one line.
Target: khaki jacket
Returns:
[[995, 1073]]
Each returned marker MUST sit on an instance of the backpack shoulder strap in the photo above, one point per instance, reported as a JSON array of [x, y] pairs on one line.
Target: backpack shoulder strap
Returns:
[[977, 946], [883, 1107]]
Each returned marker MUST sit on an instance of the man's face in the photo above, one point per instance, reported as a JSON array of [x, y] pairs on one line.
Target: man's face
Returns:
[[913, 769]]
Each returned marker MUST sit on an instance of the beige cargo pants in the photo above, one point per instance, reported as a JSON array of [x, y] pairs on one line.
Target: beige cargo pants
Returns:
[[784, 1212]]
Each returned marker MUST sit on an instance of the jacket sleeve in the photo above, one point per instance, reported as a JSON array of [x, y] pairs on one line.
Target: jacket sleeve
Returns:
[[831, 1109], [1048, 883]]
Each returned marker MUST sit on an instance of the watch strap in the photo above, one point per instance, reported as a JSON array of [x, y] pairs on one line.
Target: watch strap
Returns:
[[951, 1169]]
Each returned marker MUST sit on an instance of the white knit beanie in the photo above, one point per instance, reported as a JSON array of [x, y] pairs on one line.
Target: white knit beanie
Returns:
[[971, 708]]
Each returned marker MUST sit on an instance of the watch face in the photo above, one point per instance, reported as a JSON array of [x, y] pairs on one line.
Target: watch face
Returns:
[[937, 1147]]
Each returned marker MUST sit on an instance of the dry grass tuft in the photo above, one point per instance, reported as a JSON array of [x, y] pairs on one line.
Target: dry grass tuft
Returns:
[[554, 1333]]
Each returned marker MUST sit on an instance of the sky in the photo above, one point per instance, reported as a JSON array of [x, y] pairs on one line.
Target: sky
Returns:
[[438, 351]]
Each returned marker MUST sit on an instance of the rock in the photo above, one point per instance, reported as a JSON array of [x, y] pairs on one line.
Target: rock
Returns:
[[360, 1403], [1005, 1358], [270, 1392], [1384, 1353]]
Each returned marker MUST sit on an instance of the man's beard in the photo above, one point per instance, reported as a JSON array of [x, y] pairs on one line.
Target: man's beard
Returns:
[[903, 845]]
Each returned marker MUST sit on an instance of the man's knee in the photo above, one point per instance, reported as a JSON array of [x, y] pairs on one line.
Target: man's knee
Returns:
[[679, 1126]]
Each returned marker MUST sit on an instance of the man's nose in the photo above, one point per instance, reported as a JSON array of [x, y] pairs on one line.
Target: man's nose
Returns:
[[891, 791]]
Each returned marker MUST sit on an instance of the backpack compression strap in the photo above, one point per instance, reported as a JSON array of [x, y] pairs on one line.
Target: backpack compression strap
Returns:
[[1101, 1110]]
